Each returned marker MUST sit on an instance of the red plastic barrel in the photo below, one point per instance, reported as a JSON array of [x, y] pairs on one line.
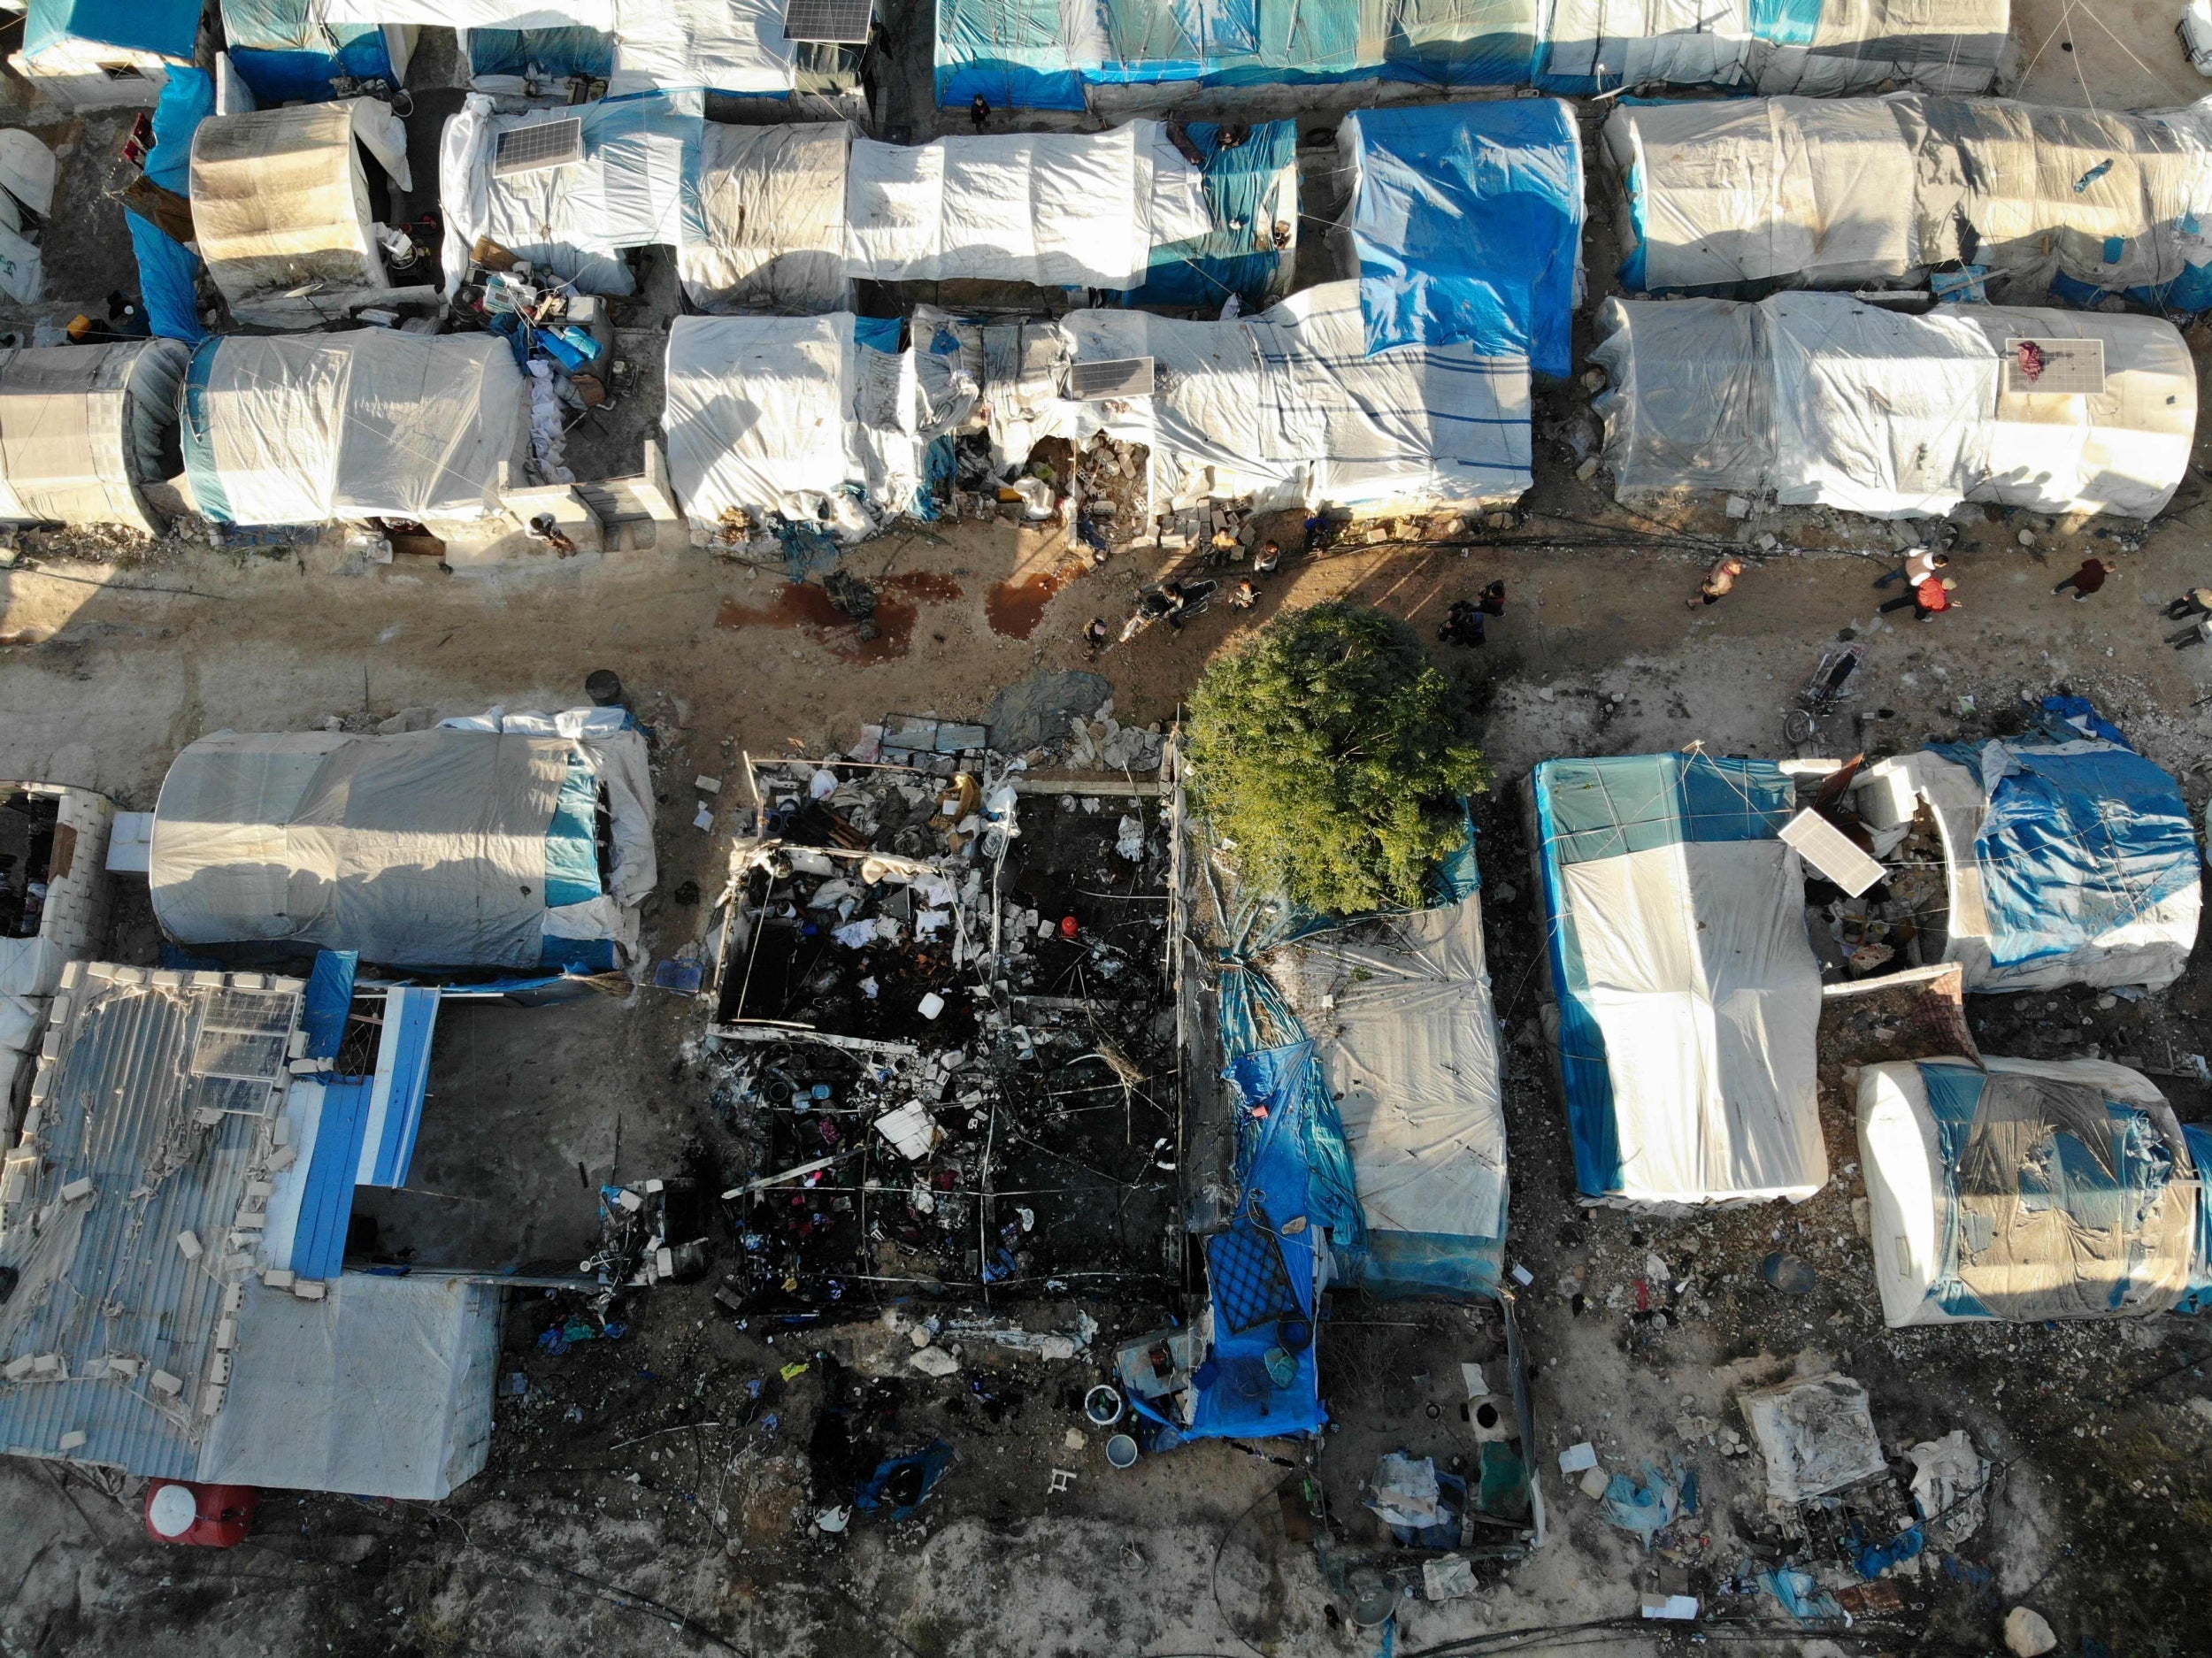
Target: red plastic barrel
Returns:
[[185, 1512]]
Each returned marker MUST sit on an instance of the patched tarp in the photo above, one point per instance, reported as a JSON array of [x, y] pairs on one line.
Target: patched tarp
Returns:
[[1685, 998], [1467, 222], [1826, 401], [370, 424], [2025, 1190], [2065, 863], [771, 209], [2052, 202], [83, 426], [168, 28], [288, 50]]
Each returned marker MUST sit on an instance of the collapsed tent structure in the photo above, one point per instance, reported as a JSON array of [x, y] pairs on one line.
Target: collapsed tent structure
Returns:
[[53, 908], [507, 840], [105, 54], [190, 1158], [1051, 55], [2064, 862], [1822, 400], [1685, 997], [280, 207], [2036, 202], [288, 50], [85, 428], [372, 423], [2027, 1190]]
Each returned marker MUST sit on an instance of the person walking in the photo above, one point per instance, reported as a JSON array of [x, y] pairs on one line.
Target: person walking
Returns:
[[2195, 633], [1930, 599], [2196, 602], [2087, 579], [1491, 600], [979, 112], [1463, 627], [1719, 582], [1919, 564]]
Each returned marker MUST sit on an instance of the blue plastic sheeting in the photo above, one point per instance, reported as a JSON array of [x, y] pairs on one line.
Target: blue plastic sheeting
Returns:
[[2071, 719], [193, 429], [1262, 1377], [170, 27], [2199, 1299], [397, 1091], [318, 1238], [167, 276], [1588, 809], [1009, 52], [879, 334], [1238, 255], [583, 957], [543, 54], [1786, 22], [186, 101], [1467, 222], [285, 51], [572, 842], [883, 1489], [329, 1001], [2078, 841]]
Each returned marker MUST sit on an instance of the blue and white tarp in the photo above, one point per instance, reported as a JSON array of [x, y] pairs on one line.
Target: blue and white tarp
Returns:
[[2066, 864], [2199, 1299], [2026, 1190], [1467, 222], [1686, 997], [287, 50]]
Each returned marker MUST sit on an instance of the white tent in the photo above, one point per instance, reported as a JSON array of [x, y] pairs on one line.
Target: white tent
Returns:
[[735, 46], [1826, 401], [1820, 49], [772, 204], [280, 207], [788, 415], [470, 845], [84, 427], [2024, 1190], [374, 423]]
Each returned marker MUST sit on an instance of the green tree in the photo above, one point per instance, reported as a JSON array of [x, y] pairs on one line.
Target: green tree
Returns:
[[1332, 754]]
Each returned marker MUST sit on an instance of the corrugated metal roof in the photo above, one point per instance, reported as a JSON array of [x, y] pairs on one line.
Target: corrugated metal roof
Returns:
[[161, 1089]]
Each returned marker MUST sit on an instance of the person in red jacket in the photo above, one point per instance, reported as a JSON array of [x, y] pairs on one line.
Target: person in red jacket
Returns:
[[2087, 579], [1930, 599]]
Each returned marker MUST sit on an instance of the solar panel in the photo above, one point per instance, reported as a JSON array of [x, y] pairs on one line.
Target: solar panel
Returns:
[[2055, 367], [539, 145], [1118, 377], [842, 21]]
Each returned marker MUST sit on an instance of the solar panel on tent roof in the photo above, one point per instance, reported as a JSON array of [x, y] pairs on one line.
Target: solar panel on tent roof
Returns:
[[538, 146], [1118, 377], [844, 22]]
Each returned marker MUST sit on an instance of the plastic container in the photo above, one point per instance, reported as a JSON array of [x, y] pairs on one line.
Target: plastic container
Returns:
[[1121, 1451], [1102, 1406], [193, 1516]]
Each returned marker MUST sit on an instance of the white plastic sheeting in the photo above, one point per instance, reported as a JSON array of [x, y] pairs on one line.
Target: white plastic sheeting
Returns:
[[83, 426], [773, 201], [1055, 209], [788, 415], [477, 14], [1826, 401], [1851, 47], [280, 203], [374, 423], [2111, 1232], [734, 46], [383, 1388], [1288, 407], [2151, 948], [1705, 988]]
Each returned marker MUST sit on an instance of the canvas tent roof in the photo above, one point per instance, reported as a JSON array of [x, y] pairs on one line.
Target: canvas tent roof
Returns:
[[1799, 192], [372, 423], [83, 426], [1048, 54], [290, 50], [771, 211], [1826, 401], [469, 845], [733, 46], [2025, 1190], [280, 203], [1685, 995], [2065, 863]]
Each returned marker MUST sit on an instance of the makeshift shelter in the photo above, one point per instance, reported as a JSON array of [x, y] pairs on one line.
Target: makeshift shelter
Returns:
[[53, 906], [771, 210], [100, 54], [1286, 407], [728, 46], [1685, 999], [513, 840], [169, 272], [374, 423], [2038, 202], [789, 417], [2026, 1190], [280, 207], [177, 1161], [84, 428], [1821, 400], [1048, 54], [287, 50], [2069, 862], [637, 185], [1466, 220]]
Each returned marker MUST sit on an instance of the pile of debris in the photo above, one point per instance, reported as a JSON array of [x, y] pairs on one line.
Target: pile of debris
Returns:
[[1899, 922]]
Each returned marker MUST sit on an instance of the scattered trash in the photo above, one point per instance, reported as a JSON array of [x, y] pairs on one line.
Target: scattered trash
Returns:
[[1801, 1595], [1646, 1509], [1791, 1274], [1575, 1458], [902, 1484], [1948, 1480], [1817, 1435], [1679, 1607], [1449, 1578], [2028, 1634]]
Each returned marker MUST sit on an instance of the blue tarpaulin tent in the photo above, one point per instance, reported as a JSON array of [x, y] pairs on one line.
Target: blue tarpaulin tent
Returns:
[[286, 51], [168, 270], [1467, 221], [1238, 255], [170, 27]]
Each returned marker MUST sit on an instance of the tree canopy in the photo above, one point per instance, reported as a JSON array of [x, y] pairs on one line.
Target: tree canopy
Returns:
[[1331, 753]]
